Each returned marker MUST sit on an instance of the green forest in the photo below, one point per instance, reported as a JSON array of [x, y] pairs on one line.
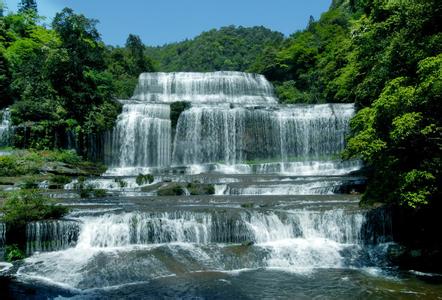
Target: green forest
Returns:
[[383, 55]]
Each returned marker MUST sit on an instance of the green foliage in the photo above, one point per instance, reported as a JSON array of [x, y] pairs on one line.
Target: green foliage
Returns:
[[60, 179], [229, 48], [144, 179], [32, 162], [28, 6], [126, 64], [56, 78], [13, 253], [315, 65], [176, 108], [288, 93], [30, 183], [121, 182], [99, 193], [201, 189], [20, 163], [416, 188], [399, 137], [171, 190], [22, 207]]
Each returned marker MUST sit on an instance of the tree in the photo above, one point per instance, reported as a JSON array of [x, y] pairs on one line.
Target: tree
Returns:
[[27, 6], [5, 80], [228, 48], [2, 8], [139, 62]]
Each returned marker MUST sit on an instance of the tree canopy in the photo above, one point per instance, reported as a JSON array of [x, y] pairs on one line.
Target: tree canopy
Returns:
[[228, 48]]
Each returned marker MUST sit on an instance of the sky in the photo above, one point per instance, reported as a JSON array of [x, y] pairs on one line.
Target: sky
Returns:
[[165, 21]]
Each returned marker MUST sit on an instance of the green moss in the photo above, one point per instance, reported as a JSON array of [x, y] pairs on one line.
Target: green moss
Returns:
[[32, 162]]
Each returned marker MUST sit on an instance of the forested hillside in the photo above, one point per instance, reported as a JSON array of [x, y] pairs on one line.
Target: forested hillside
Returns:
[[229, 48], [385, 56]]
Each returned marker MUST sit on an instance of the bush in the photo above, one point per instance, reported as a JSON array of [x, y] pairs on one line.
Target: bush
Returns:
[[66, 156], [99, 193], [13, 253], [143, 179], [60, 179], [20, 163], [21, 207], [30, 183], [171, 190], [121, 182]]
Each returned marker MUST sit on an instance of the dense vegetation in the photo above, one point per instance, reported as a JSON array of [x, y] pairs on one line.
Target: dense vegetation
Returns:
[[63, 81], [229, 49], [25, 206], [385, 56]]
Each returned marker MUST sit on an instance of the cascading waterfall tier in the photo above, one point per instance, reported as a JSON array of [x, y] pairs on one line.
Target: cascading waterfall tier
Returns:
[[217, 87], [133, 246], [141, 138], [233, 135], [120, 230], [234, 120]]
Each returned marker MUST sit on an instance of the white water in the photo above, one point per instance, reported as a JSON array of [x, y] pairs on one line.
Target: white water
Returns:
[[224, 130], [216, 87], [308, 188], [141, 137], [297, 241], [5, 127]]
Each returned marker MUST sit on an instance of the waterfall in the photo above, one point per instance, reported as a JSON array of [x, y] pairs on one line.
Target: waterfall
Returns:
[[234, 135], [2, 234], [122, 230], [113, 250], [234, 120], [216, 87], [5, 127], [50, 235], [141, 137]]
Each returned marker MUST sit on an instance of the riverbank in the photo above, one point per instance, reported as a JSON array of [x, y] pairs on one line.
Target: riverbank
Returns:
[[31, 169]]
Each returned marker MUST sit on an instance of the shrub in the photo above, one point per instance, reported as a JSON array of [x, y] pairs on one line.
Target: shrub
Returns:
[[30, 183], [99, 193], [84, 190], [66, 156], [172, 190], [121, 182], [13, 253], [143, 179], [60, 179], [21, 207]]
